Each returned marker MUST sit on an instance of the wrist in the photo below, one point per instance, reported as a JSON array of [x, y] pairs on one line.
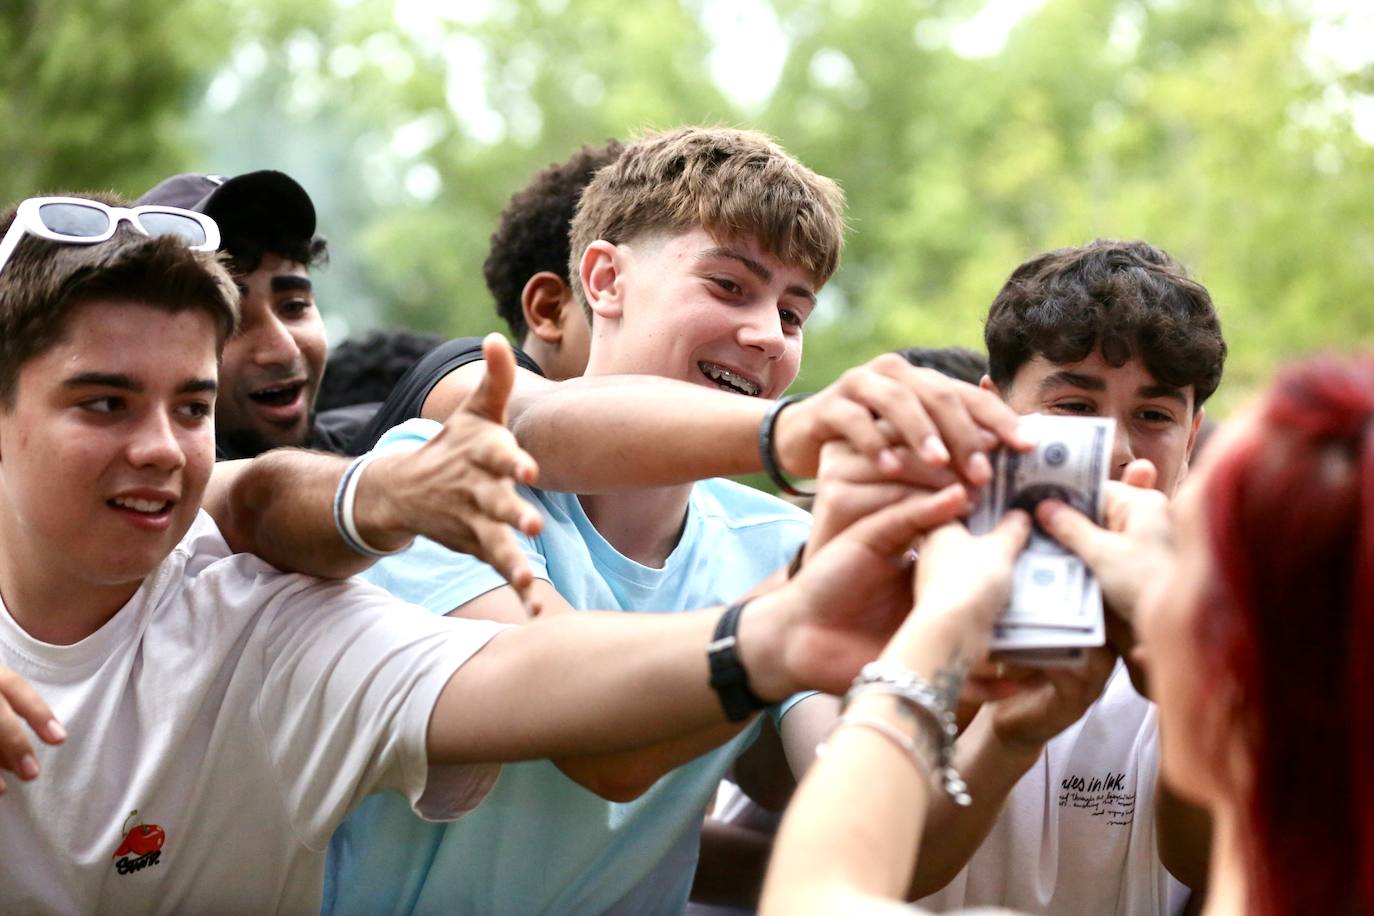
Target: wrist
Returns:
[[930, 640], [994, 751], [770, 454], [1013, 753], [762, 650], [792, 443], [375, 513]]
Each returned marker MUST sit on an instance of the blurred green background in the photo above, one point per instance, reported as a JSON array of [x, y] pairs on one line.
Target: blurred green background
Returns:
[[1237, 134]]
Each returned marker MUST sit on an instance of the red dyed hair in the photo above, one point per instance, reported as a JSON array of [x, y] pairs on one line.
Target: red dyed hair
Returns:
[[1290, 512]]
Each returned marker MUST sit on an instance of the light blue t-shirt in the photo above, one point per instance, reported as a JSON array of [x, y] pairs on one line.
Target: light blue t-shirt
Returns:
[[540, 843]]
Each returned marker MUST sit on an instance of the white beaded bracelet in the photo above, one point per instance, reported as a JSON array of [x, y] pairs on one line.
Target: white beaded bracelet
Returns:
[[346, 496]]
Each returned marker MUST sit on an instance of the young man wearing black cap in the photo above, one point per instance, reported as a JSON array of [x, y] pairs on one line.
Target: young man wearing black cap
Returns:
[[272, 366]]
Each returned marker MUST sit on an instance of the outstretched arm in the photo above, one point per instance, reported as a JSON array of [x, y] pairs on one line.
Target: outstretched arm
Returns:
[[457, 489], [612, 682], [852, 832], [600, 434]]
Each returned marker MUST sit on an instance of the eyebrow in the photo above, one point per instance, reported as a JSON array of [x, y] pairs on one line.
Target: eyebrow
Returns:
[[290, 282], [755, 268], [122, 382], [1168, 392], [1096, 383], [1073, 380]]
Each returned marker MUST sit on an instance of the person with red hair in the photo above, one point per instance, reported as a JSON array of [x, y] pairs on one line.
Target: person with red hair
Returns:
[[1253, 595]]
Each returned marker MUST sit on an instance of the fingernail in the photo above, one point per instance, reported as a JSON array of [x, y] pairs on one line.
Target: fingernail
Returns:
[[933, 450], [28, 766], [55, 731], [888, 461], [979, 469]]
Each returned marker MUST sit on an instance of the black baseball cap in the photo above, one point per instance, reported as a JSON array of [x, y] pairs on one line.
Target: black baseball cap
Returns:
[[263, 205]]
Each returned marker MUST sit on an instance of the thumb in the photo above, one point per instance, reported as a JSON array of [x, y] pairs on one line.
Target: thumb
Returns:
[[488, 399], [1012, 532], [1140, 473], [1071, 528]]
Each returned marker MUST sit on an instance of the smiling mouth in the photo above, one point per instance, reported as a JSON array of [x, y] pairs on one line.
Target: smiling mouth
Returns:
[[278, 395], [141, 506], [729, 380]]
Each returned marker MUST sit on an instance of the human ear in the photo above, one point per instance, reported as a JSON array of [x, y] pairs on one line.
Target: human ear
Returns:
[[602, 275], [542, 301], [987, 384]]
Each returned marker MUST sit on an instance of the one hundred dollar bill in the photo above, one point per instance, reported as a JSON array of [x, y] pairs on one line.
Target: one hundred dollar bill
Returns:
[[1055, 602]]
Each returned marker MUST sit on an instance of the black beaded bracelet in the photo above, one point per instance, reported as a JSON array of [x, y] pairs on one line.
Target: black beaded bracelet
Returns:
[[728, 677], [768, 449]]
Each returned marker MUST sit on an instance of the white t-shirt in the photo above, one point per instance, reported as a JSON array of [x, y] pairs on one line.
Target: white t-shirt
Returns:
[[1077, 833], [243, 712]]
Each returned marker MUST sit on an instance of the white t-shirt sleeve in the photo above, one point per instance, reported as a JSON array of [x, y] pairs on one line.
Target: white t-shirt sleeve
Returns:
[[350, 677]]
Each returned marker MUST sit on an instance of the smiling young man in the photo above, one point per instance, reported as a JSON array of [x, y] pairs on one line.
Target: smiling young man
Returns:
[[698, 255], [218, 718], [1066, 815], [271, 369]]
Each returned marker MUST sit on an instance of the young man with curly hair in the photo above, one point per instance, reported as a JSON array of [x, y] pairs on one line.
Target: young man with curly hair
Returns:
[[1067, 814], [527, 274]]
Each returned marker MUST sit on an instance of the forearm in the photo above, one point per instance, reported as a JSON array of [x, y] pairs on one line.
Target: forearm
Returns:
[[850, 836], [626, 775], [606, 683], [280, 505], [952, 833], [594, 435]]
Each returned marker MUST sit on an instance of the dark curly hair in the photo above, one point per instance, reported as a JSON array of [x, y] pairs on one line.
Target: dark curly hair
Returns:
[[363, 370], [956, 362], [532, 235], [1122, 299]]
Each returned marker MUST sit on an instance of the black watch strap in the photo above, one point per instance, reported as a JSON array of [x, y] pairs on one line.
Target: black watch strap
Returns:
[[728, 677]]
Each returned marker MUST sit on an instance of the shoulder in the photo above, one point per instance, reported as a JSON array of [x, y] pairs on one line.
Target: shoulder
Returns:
[[408, 398], [451, 355], [334, 429], [415, 431]]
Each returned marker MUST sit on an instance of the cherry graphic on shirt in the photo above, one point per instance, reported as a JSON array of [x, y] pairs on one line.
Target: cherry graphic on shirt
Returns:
[[141, 839]]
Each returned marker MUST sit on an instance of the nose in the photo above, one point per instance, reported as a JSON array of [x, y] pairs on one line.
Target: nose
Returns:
[[763, 331], [272, 344], [155, 444], [1122, 452]]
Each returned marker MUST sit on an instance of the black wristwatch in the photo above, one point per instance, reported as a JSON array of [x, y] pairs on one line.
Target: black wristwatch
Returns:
[[728, 677]]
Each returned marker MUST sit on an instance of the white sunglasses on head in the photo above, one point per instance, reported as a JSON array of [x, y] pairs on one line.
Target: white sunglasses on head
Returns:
[[77, 221]]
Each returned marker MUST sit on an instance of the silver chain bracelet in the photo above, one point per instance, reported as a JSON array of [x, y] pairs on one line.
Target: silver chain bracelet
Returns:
[[934, 702]]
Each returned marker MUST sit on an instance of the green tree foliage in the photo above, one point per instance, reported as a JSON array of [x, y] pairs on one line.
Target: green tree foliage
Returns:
[[1217, 130], [94, 94], [1204, 128]]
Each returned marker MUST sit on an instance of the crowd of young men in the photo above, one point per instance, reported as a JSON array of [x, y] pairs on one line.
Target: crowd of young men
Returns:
[[223, 723]]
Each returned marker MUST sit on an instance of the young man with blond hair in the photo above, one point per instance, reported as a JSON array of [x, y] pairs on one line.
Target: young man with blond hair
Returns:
[[698, 255]]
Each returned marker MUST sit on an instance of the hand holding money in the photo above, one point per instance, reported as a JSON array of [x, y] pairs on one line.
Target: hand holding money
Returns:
[[1055, 611]]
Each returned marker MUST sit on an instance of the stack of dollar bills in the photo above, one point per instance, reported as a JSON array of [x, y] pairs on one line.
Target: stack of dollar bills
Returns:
[[1055, 612]]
